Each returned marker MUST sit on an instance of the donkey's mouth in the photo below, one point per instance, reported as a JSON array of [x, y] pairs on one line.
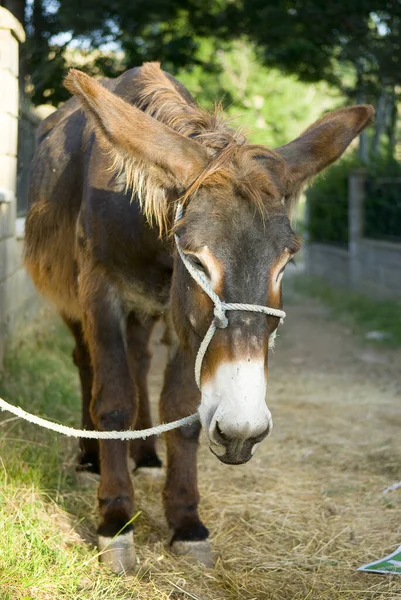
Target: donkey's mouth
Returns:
[[235, 453]]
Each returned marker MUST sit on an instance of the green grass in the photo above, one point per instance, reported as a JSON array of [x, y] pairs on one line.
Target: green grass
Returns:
[[359, 312], [42, 512]]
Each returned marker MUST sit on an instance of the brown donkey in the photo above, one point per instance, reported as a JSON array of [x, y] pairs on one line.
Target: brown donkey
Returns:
[[108, 174]]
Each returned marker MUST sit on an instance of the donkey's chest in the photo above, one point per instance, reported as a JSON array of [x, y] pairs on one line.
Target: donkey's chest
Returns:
[[137, 297]]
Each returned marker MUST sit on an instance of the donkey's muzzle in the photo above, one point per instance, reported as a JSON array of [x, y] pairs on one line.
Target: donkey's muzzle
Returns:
[[232, 451]]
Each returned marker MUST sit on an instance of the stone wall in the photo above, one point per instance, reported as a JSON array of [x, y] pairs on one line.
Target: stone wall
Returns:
[[370, 266], [380, 268], [18, 300], [328, 262]]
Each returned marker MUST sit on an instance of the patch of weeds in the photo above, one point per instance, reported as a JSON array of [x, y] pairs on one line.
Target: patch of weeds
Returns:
[[356, 310], [42, 553]]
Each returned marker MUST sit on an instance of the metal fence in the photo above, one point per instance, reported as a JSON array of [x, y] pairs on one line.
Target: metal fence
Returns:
[[28, 122], [328, 210], [382, 209], [371, 260]]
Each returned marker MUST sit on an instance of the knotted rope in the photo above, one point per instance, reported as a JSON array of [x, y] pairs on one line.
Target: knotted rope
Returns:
[[220, 321], [97, 435]]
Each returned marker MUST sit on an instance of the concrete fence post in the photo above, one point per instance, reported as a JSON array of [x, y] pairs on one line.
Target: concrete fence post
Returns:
[[356, 199], [306, 249], [11, 35]]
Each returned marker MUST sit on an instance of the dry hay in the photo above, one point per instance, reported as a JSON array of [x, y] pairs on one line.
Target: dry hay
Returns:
[[297, 521]]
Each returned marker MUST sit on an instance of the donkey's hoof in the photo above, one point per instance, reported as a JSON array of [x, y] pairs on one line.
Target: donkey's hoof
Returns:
[[118, 553], [199, 551]]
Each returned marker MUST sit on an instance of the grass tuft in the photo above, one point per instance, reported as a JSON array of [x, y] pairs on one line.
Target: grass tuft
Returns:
[[358, 311], [293, 524]]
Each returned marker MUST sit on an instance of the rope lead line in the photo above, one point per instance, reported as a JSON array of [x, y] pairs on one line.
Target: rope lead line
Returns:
[[219, 321], [97, 435]]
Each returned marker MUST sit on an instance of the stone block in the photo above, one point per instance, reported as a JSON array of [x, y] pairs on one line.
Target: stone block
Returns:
[[7, 219], [9, 93], [10, 257], [390, 278], [8, 173], [8, 135], [9, 52]]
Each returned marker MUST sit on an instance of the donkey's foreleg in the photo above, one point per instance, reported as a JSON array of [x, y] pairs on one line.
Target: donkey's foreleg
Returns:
[[139, 331], [113, 407], [180, 397]]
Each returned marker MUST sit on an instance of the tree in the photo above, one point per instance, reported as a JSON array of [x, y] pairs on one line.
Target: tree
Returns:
[[123, 34], [352, 45], [17, 8]]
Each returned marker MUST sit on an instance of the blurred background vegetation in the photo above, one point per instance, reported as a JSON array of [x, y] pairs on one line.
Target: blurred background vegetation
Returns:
[[276, 65]]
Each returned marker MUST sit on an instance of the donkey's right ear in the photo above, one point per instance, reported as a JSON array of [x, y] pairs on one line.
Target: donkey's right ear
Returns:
[[173, 159], [320, 145]]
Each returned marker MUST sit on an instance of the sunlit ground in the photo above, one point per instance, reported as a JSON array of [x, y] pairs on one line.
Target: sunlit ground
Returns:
[[294, 523]]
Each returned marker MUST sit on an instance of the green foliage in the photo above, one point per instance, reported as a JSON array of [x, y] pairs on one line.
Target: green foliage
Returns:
[[120, 34], [328, 204], [258, 99], [44, 516], [312, 37], [328, 201], [382, 210]]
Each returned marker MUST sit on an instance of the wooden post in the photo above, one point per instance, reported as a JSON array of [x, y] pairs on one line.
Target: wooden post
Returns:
[[356, 199]]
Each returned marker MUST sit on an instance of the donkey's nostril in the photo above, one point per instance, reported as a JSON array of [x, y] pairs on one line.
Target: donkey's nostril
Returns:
[[264, 434], [220, 437]]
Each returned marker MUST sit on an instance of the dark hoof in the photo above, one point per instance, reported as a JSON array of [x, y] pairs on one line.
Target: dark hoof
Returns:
[[89, 462], [118, 553], [200, 552]]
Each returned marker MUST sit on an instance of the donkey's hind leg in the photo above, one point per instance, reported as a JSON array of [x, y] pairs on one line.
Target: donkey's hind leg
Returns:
[[89, 449], [143, 452], [180, 398], [113, 407]]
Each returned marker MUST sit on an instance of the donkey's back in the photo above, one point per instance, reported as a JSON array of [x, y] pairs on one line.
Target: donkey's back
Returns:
[[100, 258], [78, 203]]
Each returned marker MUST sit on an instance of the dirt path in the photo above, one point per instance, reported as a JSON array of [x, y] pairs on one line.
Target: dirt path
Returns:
[[308, 509]]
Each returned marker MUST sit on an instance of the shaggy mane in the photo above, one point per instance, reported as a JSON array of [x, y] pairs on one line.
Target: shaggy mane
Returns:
[[232, 159]]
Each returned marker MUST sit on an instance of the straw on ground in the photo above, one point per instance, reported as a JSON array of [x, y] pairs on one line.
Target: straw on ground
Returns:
[[293, 524]]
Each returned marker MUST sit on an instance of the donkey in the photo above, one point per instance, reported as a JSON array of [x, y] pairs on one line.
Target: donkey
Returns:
[[110, 169]]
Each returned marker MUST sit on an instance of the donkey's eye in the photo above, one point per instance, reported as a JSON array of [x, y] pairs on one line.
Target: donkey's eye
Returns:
[[197, 263], [280, 274]]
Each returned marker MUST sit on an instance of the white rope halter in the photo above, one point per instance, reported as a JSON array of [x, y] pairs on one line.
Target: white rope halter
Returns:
[[220, 320]]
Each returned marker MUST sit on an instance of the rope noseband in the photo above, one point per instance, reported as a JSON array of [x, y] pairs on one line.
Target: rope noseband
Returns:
[[220, 320]]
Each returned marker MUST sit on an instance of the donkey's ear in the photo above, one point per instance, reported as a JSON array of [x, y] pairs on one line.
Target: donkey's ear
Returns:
[[320, 145], [174, 160]]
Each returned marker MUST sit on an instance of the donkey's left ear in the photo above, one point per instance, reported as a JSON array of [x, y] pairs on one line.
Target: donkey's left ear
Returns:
[[320, 145]]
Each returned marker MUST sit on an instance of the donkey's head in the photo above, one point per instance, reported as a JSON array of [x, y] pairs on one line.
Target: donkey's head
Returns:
[[235, 229]]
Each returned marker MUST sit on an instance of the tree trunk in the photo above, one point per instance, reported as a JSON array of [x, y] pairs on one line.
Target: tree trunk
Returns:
[[380, 121], [392, 125], [363, 152]]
